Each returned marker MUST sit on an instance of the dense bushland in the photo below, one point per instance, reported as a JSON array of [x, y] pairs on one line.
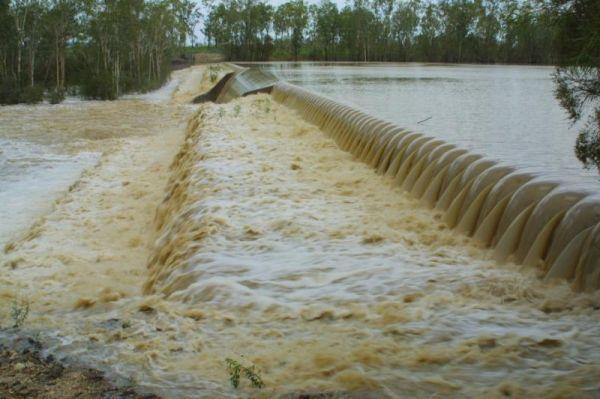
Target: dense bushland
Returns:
[[102, 48], [578, 75], [558, 32], [481, 31]]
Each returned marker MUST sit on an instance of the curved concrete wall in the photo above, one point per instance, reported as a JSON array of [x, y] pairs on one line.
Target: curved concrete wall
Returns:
[[213, 94], [246, 81], [238, 83], [523, 217]]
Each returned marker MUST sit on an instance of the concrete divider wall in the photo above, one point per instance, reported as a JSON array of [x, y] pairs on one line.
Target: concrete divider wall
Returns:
[[246, 81], [238, 83], [522, 216]]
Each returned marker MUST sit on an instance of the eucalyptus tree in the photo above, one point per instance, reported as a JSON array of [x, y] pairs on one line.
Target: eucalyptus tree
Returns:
[[221, 26], [578, 76], [290, 21], [26, 15], [33, 35], [326, 29], [358, 27], [430, 27], [386, 30], [458, 19], [62, 25], [111, 46], [405, 26], [383, 10], [240, 26], [487, 29], [7, 43], [255, 21]]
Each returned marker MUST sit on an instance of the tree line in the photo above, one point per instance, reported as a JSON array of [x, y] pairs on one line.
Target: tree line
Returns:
[[577, 76], [565, 33], [102, 48], [472, 31]]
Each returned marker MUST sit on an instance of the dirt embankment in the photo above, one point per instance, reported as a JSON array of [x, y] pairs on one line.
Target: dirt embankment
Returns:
[[26, 373]]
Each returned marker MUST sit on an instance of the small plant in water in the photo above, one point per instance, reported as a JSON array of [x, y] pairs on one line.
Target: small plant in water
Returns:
[[236, 369], [19, 312], [213, 71], [221, 113], [237, 110], [265, 104]]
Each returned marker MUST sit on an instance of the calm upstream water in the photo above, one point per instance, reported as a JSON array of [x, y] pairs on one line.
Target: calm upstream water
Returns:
[[501, 111]]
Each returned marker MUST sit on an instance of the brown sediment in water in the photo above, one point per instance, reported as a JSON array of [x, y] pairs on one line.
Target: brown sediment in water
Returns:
[[332, 281], [273, 247], [90, 251]]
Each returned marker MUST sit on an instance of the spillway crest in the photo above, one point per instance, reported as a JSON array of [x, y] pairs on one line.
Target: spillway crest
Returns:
[[273, 247], [288, 251], [523, 216]]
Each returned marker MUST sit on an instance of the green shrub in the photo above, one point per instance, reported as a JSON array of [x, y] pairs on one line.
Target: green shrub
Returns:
[[99, 86], [236, 369], [56, 96], [32, 94], [72, 90], [9, 92], [19, 312]]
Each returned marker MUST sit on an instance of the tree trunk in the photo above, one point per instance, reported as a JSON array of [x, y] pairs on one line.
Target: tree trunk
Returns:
[[31, 66], [57, 59]]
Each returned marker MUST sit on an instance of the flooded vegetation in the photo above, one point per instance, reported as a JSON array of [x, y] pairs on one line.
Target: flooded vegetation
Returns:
[[234, 250]]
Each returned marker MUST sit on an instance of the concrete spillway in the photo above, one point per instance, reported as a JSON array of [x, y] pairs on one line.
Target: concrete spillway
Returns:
[[263, 242], [240, 82], [523, 216]]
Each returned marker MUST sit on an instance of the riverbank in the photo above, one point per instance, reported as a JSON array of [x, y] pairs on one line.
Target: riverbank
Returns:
[[27, 373]]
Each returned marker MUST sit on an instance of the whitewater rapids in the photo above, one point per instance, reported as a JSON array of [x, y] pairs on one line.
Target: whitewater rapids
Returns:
[[272, 246]]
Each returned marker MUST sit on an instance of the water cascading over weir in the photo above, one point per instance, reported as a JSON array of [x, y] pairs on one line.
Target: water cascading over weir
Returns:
[[522, 216]]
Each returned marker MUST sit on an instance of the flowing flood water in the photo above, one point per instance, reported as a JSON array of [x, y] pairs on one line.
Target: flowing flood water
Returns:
[[507, 112], [265, 243]]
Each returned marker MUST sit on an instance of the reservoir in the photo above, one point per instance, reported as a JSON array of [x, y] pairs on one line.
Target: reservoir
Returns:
[[506, 112]]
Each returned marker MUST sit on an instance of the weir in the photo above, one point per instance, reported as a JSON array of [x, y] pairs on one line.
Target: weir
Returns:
[[522, 216], [238, 83]]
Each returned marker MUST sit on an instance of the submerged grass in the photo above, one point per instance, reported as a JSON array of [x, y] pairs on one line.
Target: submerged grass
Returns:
[[19, 312], [213, 71], [236, 370]]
